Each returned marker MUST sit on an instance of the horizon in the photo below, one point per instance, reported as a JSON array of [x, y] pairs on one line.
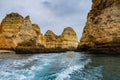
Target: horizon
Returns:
[[50, 15]]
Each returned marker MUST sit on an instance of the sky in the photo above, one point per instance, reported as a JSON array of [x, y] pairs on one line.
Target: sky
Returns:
[[52, 15]]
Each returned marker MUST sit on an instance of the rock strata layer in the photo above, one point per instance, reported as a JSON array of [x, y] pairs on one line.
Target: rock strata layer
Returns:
[[19, 34], [102, 30], [67, 40]]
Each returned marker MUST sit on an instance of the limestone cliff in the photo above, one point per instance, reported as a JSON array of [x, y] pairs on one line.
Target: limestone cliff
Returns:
[[6, 43], [51, 39], [19, 34], [36, 28], [18, 30], [102, 30], [10, 25], [26, 30], [50, 36], [67, 40]]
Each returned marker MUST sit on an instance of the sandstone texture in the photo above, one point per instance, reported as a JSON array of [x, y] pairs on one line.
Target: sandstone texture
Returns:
[[19, 34], [66, 41], [69, 38], [102, 30]]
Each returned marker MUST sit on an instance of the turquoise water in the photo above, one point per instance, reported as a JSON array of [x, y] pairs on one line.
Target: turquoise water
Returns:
[[59, 66]]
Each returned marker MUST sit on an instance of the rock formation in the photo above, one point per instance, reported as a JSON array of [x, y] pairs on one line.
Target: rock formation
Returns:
[[67, 40], [10, 25], [19, 34], [6, 43], [50, 36], [19, 31], [102, 30], [51, 39], [36, 28]]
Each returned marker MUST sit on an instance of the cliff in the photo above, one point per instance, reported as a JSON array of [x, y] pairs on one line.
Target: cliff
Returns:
[[50, 36], [67, 40], [102, 30], [19, 34]]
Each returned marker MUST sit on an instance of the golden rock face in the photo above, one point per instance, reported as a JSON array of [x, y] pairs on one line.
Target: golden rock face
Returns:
[[4, 42], [17, 29], [50, 36], [36, 28], [11, 23], [17, 32], [67, 40], [103, 24]]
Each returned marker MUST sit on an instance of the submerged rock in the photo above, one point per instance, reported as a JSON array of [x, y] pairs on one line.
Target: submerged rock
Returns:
[[102, 30]]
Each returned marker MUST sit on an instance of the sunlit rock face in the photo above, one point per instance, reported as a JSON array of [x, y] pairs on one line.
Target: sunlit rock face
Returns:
[[50, 36], [6, 43], [51, 39], [102, 30], [18, 29], [10, 25], [26, 30], [67, 40], [19, 34], [36, 28]]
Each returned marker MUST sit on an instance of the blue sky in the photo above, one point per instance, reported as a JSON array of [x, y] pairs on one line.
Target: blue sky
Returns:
[[54, 15]]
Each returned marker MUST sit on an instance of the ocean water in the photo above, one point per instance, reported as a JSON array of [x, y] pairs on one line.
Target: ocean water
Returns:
[[59, 66]]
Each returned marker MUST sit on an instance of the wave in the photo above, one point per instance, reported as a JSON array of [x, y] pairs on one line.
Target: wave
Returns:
[[66, 73], [62, 66]]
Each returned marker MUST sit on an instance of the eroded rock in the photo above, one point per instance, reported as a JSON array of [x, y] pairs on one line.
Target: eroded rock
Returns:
[[102, 30]]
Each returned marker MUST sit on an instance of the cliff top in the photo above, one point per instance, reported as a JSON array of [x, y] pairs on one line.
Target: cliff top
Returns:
[[69, 31]]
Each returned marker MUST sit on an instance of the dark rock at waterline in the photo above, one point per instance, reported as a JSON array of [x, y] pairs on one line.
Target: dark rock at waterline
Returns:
[[39, 50]]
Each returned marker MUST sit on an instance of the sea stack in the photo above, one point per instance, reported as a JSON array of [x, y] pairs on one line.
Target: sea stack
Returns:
[[69, 38], [18, 32], [66, 41], [102, 31]]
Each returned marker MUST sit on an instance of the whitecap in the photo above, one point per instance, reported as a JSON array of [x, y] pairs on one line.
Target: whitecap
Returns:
[[66, 73]]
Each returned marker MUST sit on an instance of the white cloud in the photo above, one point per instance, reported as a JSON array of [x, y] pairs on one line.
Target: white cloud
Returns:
[[50, 14]]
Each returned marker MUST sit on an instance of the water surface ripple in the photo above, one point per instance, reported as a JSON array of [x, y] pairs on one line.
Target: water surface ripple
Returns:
[[59, 66]]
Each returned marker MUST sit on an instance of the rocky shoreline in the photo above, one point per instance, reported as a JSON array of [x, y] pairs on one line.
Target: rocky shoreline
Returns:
[[20, 35], [100, 35]]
